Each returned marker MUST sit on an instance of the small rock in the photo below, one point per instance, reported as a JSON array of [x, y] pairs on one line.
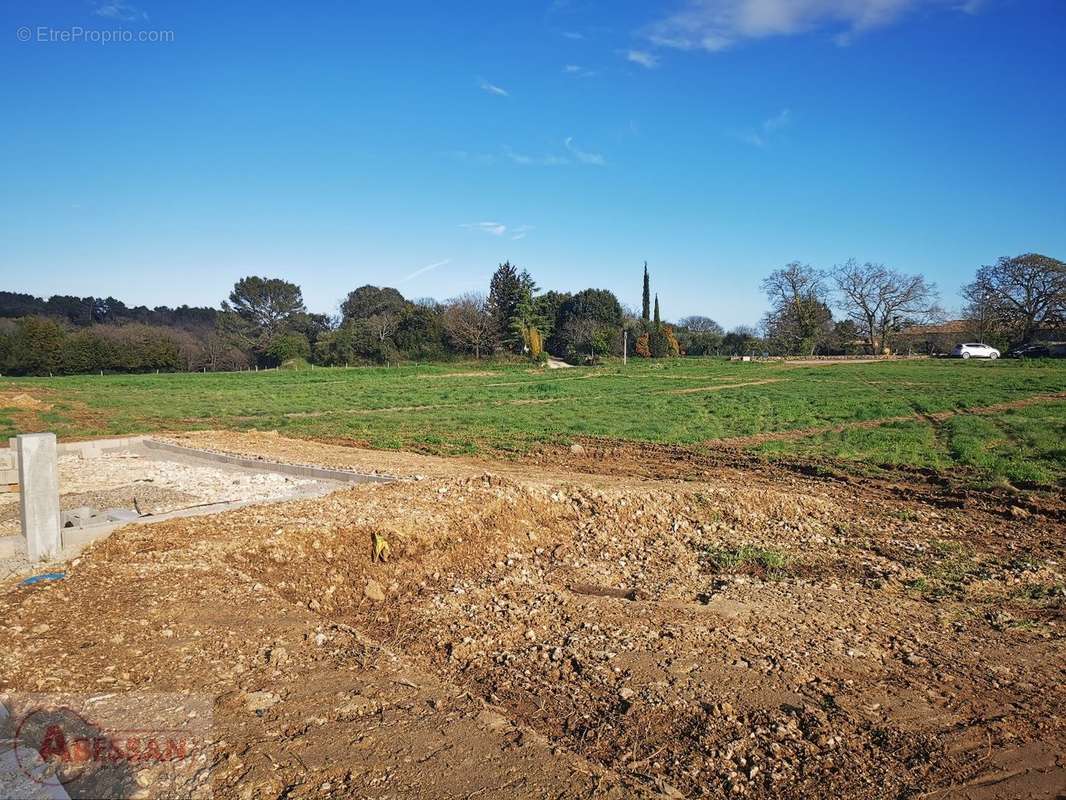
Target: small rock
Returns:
[[257, 702], [492, 721], [626, 693], [577, 450], [357, 706], [374, 591]]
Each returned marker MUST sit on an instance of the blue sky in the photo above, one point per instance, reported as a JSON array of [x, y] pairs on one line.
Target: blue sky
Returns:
[[419, 144]]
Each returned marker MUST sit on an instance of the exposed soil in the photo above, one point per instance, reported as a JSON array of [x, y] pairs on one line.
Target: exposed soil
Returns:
[[616, 622], [22, 401]]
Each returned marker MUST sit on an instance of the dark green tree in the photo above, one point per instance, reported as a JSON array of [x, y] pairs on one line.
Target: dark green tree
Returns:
[[288, 346], [658, 322], [645, 313], [590, 321], [371, 301], [510, 292], [265, 304]]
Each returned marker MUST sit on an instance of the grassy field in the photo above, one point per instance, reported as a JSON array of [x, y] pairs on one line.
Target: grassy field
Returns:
[[887, 413]]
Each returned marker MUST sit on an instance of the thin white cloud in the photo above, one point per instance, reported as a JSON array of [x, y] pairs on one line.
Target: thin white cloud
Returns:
[[779, 120], [117, 9], [583, 156], [525, 160], [573, 35], [715, 25], [425, 269], [762, 136], [493, 228], [642, 57], [579, 71], [492, 88], [499, 229]]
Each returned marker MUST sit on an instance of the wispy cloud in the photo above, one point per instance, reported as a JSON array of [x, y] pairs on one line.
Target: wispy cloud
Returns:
[[425, 269], [579, 71], [642, 57], [715, 25], [571, 155], [493, 228], [762, 136], [492, 88], [573, 35], [499, 229], [525, 160], [582, 156], [117, 9]]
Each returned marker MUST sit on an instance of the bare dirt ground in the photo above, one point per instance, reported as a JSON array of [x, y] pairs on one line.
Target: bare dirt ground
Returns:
[[602, 621]]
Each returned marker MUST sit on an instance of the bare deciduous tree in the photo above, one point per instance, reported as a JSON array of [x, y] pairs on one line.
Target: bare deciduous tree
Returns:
[[878, 300], [700, 324], [1018, 295], [799, 316], [469, 323]]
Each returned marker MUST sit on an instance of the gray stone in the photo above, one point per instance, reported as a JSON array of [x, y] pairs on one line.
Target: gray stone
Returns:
[[119, 514], [39, 479]]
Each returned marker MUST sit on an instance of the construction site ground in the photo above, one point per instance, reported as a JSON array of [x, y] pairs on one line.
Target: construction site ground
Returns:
[[603, 620]]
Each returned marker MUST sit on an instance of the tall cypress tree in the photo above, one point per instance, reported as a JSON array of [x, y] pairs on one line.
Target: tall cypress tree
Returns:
[[645, 312], [657, 323]]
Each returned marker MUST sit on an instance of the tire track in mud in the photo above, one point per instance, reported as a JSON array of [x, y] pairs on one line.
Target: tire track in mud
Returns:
[[524, 401], [934, 418], [720, 386]]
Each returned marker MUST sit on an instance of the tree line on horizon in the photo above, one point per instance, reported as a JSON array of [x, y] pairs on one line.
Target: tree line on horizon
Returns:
[[264, 322]]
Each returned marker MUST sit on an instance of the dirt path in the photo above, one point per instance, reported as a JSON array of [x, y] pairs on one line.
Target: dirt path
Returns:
[[552, 632]]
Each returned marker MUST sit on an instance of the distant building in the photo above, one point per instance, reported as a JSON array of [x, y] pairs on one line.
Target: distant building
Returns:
[[934, 339]]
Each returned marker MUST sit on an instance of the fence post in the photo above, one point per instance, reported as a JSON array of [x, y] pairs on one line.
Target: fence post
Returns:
[[39, 489]]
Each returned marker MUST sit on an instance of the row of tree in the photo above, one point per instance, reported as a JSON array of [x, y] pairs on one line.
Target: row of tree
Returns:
[[265, 322], [1009, 302]]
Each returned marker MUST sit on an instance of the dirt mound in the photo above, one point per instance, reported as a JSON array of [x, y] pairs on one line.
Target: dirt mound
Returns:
[[23, 402]]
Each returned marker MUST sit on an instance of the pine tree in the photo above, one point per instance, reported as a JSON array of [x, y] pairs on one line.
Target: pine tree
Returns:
[[646, 307]]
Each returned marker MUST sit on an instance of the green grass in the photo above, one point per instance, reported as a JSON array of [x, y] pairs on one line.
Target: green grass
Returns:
[[477, 408], [748, 558]]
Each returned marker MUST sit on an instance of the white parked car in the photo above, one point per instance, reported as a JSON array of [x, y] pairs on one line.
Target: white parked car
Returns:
[[975, 350]]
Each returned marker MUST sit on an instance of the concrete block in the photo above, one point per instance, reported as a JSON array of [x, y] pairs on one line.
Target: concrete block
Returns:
[[9, 467], [39, 479]]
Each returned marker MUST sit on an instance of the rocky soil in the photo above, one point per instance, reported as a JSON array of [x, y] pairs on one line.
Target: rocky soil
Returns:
[[556, 631]]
